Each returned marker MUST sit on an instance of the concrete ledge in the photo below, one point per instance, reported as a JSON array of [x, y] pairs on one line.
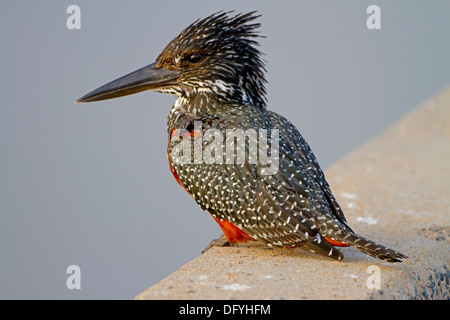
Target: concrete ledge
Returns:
[[395, 189]]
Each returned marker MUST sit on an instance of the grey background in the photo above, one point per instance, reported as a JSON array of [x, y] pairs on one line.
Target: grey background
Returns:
[[89, 184]]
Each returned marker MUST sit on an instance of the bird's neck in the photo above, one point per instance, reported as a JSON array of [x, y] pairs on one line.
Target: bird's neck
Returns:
[[186, 109]]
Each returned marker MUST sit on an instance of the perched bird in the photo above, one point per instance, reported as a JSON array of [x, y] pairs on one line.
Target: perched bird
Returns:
[[216, 72]]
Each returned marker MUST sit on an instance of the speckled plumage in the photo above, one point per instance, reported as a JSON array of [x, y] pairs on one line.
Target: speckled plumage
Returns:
[[294, 206], [221, 86]]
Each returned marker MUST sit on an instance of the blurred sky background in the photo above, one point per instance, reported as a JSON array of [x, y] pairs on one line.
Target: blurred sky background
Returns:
[[90, 185]]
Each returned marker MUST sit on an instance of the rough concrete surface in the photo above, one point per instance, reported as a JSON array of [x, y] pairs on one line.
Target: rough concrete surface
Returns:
[[394, 189]]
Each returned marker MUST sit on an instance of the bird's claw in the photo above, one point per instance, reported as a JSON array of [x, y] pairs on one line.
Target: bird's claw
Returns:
[[220, 242]]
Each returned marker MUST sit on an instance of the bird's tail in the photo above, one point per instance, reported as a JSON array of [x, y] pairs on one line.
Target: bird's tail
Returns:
[[372, 248]]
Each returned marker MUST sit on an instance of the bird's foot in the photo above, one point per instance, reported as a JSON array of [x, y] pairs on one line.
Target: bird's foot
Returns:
[[220, 242]]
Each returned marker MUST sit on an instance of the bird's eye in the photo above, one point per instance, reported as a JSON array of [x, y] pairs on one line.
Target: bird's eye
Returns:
[[194, 57]]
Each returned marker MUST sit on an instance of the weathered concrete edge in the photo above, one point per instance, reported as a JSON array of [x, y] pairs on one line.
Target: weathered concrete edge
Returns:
[[408, 160]]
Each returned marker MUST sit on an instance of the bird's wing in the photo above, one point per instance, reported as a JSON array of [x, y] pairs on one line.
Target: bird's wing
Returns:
[[286, 206], [300, 150]]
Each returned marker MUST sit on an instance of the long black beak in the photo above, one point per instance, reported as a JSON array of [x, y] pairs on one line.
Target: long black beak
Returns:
[[146, 78]]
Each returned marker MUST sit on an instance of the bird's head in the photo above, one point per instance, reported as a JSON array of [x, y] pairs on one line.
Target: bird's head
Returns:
[[215, 56]]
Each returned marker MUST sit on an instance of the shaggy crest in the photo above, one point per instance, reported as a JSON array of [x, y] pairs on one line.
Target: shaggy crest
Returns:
[[218, 55]]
